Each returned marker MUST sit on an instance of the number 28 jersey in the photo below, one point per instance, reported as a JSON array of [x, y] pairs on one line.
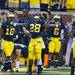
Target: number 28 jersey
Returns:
[[8, 31], [36, 28]]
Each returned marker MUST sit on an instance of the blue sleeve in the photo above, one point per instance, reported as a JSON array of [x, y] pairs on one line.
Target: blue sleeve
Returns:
[[21, 20]]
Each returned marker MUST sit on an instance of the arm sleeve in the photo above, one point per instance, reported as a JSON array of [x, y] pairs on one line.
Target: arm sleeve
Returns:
[[0, 25]]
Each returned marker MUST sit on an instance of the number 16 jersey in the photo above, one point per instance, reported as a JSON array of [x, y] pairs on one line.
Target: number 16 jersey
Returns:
[[8, 31]]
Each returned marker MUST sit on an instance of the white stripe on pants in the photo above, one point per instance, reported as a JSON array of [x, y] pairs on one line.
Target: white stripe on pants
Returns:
[[68, 52]]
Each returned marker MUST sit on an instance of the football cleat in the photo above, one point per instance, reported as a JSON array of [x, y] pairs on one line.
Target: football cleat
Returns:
[[28, 73]]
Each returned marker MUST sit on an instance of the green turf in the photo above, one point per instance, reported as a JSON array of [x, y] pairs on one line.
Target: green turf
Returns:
[[49, 71]]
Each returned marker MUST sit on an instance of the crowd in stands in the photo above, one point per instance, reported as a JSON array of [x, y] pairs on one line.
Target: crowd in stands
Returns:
[[43, 5]]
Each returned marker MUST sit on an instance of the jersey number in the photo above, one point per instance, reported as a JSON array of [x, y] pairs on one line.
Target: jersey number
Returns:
[[35, 28], [10, 31], [56, 31]]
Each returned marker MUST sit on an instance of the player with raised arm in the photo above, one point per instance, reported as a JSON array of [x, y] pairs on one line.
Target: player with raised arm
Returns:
[[35, 27]]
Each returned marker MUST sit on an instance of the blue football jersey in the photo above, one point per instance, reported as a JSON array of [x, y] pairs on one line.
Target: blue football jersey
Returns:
[[55, 29], [36, 28], [8, 31]]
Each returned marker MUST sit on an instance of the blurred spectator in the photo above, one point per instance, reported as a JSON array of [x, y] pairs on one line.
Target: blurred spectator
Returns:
[[62, 5], [69, 41], [59, 6], [3, 17], [2, 4], [24, 4], [44, 5], [34, 4], [13, 3], [25, 16]]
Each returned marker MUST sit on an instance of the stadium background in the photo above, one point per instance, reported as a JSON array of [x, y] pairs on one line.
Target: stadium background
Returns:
[[36, 5], [29, 4]]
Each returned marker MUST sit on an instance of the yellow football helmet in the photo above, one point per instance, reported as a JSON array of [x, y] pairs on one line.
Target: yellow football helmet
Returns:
[[57, 17]]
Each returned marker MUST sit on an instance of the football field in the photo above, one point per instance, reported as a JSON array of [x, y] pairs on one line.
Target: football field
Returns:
[[49, 71]]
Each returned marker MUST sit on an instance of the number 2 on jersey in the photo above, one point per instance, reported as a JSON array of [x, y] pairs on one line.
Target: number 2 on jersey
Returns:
[[35, 28]]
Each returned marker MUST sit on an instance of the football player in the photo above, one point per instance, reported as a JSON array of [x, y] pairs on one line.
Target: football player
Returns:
[[8, 31], [55, 43], [18, 47], [19, 50], [73, 49], [49, 20], [35, 26]]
